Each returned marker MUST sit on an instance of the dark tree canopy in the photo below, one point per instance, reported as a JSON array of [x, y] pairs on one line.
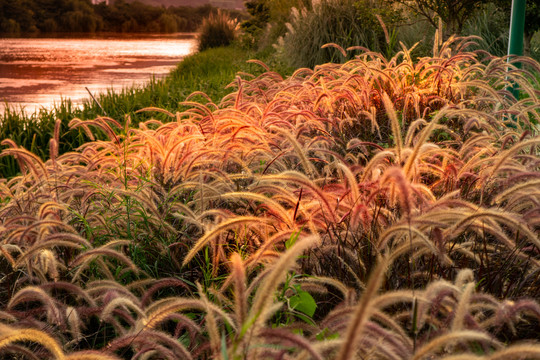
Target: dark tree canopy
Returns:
[[45, 16], [532, 19], [453, 13]]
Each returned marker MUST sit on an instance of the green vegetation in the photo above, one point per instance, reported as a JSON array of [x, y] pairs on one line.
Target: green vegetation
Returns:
[[384, 207], [255, 25], [49, 16], [456, 14], [532, 22], [381, 25], [267, 20], [346, 23], [375, 209], [491, 26], [217, 30], [210, 72], [452, 13]]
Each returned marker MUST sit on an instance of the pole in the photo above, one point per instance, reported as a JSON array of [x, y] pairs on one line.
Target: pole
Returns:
[[517, 27]]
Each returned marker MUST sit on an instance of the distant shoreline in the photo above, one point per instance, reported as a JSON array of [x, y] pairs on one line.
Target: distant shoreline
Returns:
[[97, 35]]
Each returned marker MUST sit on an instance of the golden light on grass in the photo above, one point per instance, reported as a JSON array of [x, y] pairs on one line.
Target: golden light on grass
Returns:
[[215, 234]]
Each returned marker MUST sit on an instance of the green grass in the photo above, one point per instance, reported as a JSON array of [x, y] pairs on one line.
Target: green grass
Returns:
[[209, 71]]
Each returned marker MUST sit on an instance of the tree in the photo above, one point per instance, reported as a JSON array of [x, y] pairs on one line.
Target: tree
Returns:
[[453, 13], [10, 26], [32, 16], [17, 15], [260, 16], [273, 12], [532, 20], [168, 23]]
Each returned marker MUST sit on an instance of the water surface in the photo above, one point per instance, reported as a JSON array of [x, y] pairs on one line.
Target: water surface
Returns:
[[39, 72]]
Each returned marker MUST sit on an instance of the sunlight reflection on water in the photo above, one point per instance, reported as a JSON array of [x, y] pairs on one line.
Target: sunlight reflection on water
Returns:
[[37, 73]]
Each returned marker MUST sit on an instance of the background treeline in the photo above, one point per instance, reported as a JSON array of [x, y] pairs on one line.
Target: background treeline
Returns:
[[301, 27], [47, 16]]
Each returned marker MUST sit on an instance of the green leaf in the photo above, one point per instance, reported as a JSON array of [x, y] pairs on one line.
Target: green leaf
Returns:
[[303, 302], [224, 354], [290, 241], [325, 334]]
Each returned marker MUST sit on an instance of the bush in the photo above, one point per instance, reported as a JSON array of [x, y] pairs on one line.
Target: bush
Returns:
[[414, 36], [344, 22], [217, 30], [267, 20], [253, 27]]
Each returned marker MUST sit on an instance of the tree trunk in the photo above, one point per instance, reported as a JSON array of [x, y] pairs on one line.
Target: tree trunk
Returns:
[[452, 27], [527, 37]]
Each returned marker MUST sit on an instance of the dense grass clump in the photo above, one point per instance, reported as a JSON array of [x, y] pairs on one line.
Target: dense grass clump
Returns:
[[347, 23], [209, 71], [492, 28], [376, 209], [217, 30]]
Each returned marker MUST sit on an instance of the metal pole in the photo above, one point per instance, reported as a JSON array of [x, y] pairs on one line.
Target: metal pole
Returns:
[[517, 27]]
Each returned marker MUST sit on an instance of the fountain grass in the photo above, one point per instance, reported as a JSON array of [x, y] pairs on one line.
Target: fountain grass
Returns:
[[366, 210], [209, 71]]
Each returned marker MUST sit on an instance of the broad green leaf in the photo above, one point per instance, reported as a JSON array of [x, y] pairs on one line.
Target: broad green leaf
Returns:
[[303, 302]]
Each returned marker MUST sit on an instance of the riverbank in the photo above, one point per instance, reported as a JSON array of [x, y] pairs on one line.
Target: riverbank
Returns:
[[209, 71], [39, 72]]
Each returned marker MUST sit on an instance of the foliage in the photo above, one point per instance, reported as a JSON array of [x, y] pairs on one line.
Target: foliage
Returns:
[[391, 192], [346, 23], [532, 20], [452, 13], [491, 25], [490, 22], [32, 16], [267, 20], [210, 71], [46, 16], [217, 30], [415, 37], [259, 18]]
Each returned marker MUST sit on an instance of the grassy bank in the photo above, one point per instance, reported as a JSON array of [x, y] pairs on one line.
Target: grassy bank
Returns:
[[209, 71]]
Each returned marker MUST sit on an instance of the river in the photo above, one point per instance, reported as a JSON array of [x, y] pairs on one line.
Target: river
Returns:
[[38, 72]]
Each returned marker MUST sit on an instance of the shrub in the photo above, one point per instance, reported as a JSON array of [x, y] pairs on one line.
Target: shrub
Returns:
[[267, 20], [344, 22], [259, 18], [217, 30], [10, 26]]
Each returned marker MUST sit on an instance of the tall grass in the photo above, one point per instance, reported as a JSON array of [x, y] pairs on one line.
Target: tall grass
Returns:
[[375, 209], [344, 23], [326, 22], [217, 30], [209, 71], [492, 27]]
